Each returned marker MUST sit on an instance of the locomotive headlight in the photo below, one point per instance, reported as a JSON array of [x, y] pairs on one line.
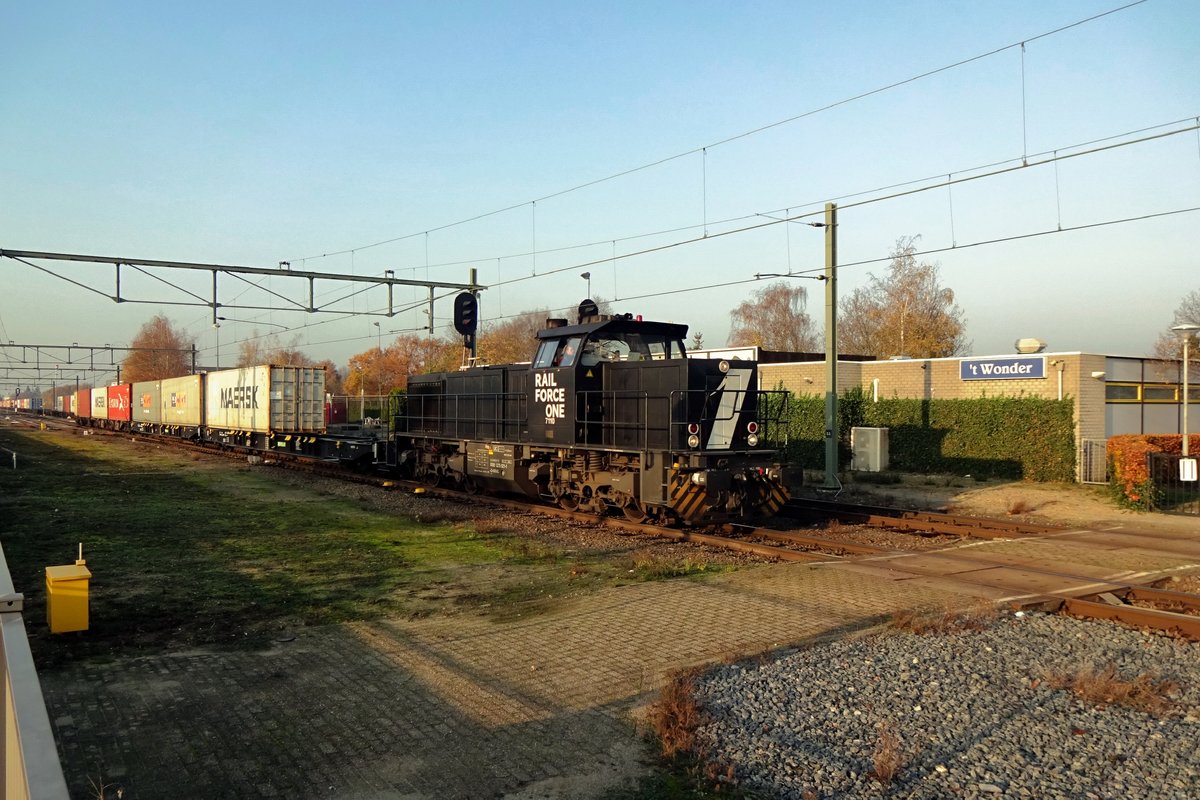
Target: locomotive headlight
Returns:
[[752, 440], [723, 366], [693, 441]]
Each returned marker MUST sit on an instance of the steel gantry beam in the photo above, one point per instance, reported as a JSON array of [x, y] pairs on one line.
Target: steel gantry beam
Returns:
[[42, 360], [284, 270]]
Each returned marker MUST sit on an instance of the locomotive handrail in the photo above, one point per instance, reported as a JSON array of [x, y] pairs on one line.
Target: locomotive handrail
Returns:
[[27, 751]]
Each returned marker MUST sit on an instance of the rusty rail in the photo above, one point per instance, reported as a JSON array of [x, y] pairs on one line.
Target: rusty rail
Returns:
[[916, 521], [1116, 606]]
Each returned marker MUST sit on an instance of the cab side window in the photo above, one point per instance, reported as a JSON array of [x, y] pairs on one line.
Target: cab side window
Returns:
[[545, 354]]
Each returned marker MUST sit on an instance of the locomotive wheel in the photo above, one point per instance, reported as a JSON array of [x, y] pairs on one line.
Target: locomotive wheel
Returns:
[[570, 502], [471, 486], [634, 512]]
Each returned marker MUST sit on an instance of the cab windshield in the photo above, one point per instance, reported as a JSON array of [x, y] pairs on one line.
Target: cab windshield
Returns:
[[631, 347]]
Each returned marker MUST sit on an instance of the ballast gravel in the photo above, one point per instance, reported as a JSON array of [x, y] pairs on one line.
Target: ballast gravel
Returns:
[[973, 713]]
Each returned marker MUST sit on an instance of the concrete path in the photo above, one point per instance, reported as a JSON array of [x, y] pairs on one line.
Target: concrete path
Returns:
[[461, 707]]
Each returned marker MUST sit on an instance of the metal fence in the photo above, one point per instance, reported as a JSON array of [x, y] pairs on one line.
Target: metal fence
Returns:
[[28, 756], [1176, 489], [1093, 461]]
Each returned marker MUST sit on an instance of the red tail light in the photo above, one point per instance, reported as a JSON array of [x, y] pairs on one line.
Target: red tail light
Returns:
[[752, 427], [693, 428]]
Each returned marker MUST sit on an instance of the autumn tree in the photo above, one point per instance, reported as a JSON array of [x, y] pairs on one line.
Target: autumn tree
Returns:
[[168, 352], [333, 376], [774, 318], [377, 371], [513, 340], [904, 313]]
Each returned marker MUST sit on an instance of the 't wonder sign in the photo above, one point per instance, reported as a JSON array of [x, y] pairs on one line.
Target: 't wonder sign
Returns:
[[1002, 369]]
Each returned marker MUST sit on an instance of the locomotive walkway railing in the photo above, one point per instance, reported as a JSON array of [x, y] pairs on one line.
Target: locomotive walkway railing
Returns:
[[624, 419], [31, 768]]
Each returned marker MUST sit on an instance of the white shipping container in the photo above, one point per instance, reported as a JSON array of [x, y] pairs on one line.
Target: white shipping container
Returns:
[[266, 399], [100, 402], [182, 401], [74, 404]]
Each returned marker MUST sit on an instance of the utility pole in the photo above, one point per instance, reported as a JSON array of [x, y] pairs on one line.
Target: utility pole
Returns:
[[831, 349]]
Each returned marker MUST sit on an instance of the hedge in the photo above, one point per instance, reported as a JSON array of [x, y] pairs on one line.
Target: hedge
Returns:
[[1129, 476], [1006, 437]]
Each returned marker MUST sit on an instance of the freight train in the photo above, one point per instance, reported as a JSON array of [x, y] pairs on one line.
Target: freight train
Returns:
[[609, 416]]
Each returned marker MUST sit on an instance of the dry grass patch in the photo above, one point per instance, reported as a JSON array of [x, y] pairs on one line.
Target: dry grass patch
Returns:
[[650, 564], [1106, 686], [888, 758], [1020, 506], [675, 716], [489, 526], [946, 620]]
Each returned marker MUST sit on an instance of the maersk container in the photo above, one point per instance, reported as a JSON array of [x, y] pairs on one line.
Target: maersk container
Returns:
[[182, 401], [145, 402], [266, 399], [99, 402], [83, 403], [119, 402]]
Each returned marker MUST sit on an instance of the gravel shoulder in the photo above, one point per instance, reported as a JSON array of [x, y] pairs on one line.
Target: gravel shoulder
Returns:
[[973, 714]]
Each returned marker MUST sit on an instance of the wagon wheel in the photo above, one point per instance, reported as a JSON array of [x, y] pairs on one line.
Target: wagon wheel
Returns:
[[634, 512]]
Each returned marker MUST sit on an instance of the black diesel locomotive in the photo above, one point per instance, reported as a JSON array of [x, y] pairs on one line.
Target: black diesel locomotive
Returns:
[[610, 414]]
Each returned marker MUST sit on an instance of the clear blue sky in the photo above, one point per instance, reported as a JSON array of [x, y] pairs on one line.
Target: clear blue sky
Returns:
[[253, 133]]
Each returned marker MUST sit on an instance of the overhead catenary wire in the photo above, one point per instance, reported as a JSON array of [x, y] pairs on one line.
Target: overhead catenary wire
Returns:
[[1194, 123], [1026, 164], [736, 137]]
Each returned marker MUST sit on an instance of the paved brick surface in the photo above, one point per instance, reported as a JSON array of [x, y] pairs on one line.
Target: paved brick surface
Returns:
[[461, 707], [444, 708]]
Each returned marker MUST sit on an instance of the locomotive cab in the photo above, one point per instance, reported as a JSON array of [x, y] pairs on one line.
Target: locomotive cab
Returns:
[[569, 388]]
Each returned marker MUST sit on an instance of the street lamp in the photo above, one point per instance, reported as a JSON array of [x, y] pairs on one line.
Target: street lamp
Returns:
[[379, 367], [587, 276], [1185, 331]]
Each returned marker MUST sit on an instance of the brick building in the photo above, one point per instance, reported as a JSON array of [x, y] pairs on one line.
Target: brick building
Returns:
[[1111, 394]]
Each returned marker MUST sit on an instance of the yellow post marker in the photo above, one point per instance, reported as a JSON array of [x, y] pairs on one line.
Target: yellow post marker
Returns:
[[67, 596]]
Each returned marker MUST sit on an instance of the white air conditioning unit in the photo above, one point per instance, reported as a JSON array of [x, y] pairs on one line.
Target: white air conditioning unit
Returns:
[[869, 449]]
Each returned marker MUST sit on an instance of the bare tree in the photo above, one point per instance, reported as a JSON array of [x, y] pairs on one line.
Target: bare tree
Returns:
[[269, 349], [1169, 346], [774, 318], [169, 353], [697, 342], [905, 313]]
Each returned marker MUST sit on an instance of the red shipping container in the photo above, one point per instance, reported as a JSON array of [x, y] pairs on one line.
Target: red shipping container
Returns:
[[119, 407], [83, 403]]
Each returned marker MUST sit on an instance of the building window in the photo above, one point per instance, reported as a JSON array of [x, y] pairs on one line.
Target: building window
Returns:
[[1122, 392], [1160, 394]]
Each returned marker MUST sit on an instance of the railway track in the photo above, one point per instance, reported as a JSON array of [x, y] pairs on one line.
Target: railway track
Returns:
[[919, 522], [1064, 591]]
